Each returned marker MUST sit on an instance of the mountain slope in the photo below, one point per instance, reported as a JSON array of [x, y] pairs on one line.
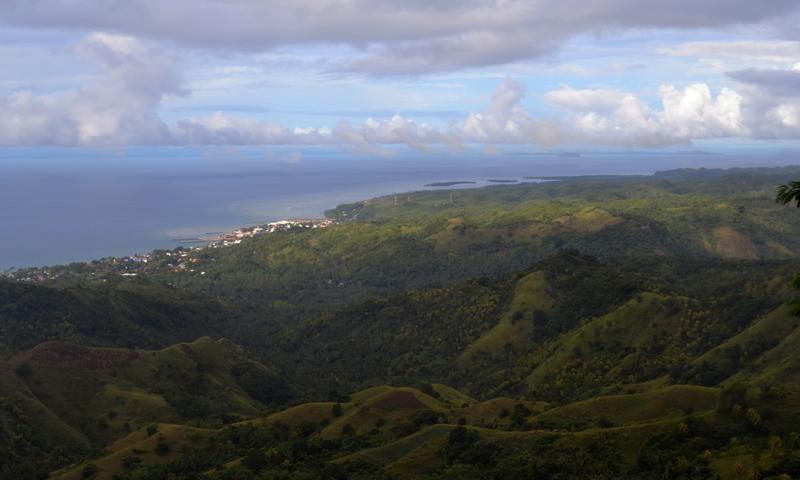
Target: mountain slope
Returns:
[[81, 397], [678, 432], [130, 315]]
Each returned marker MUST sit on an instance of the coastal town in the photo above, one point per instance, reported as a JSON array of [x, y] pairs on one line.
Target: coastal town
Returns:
[[184, 258], [236, 237]]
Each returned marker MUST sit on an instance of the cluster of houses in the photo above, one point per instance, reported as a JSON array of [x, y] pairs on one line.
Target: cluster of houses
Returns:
[[181, 259], [33, 275], [236, 237]]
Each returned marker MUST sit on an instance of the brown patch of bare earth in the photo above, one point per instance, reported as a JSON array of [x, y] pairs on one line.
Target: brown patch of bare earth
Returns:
[[62, 353], [398, 400], [731, 244]]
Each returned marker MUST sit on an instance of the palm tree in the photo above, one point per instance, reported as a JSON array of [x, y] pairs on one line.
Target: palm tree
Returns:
[[789, 193]]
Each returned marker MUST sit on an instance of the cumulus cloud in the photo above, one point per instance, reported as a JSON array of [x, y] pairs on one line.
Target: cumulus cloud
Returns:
[[120, 106], [389, 36], [772, 101], [117, 106], [371, 137], [222, 129], [773, 119], [507, 121], [399, 130], [695, 113], [612, 117], [596, 99]]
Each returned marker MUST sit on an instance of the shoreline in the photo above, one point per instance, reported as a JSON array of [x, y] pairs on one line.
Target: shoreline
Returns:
[[167, 242]]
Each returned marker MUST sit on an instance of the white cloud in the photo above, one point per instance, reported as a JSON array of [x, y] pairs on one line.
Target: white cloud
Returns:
[[221, 129], [388, 36], [786, 115], [506, 120], [117, 106], [399, 130], [694, 113], [597, 99], [771, 102], [613, 117], [120, 105]]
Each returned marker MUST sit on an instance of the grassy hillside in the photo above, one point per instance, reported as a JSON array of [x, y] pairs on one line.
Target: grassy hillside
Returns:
[[677, 432], [568, 328], [529, 303], [81, 397], [161, 444]]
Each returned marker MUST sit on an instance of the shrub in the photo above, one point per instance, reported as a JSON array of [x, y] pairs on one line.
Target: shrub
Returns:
[[129, 463], [89, 470], [23, 370], [162, 448]]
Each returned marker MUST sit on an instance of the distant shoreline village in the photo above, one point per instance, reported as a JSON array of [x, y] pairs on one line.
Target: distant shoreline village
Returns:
[[179, 259], [235, 237]]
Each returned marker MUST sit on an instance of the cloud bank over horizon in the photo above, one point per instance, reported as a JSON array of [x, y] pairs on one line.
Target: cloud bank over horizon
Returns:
[[140, 58]]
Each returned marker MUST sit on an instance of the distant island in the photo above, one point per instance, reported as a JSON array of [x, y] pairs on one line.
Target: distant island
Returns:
[[497, 180], [448, 184]]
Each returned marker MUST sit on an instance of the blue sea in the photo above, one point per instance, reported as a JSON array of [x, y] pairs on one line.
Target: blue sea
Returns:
[[60, 205]]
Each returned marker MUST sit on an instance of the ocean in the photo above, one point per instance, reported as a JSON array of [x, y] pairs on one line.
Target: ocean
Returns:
[[60, 206]]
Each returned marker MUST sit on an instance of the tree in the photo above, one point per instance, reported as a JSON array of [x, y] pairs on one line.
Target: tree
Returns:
[[786, 194], [789, 193], [162, 447], [519, 416], [89, 470], [255, 460], [23, 370], [753, 417]]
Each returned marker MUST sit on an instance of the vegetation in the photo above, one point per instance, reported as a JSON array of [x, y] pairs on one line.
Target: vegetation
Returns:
[[595, 327], [132, 315], [789, 193]]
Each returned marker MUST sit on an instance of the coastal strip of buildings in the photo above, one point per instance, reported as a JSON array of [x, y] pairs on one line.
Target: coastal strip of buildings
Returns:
[[180, 259], [235, 237]]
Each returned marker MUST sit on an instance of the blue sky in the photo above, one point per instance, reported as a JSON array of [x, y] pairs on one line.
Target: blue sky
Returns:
[[375, 76]]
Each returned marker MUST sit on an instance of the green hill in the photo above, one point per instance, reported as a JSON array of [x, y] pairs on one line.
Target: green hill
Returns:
[[567, 328], [676, 431], [380, 248], [85, 397], [128, 315]]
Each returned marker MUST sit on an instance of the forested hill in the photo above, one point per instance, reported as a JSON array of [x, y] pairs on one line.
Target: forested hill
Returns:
[[134, 315], [566, 329], [592, 327], [428, 239]]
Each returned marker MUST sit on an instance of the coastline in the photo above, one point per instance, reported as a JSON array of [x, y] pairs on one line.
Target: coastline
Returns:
[[121, 243]]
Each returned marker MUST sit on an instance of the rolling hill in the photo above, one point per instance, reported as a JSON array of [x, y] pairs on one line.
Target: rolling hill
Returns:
[[77, 398], [399, 432]]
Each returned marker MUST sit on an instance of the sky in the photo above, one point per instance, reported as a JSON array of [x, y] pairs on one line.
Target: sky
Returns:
[[377, 76]]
